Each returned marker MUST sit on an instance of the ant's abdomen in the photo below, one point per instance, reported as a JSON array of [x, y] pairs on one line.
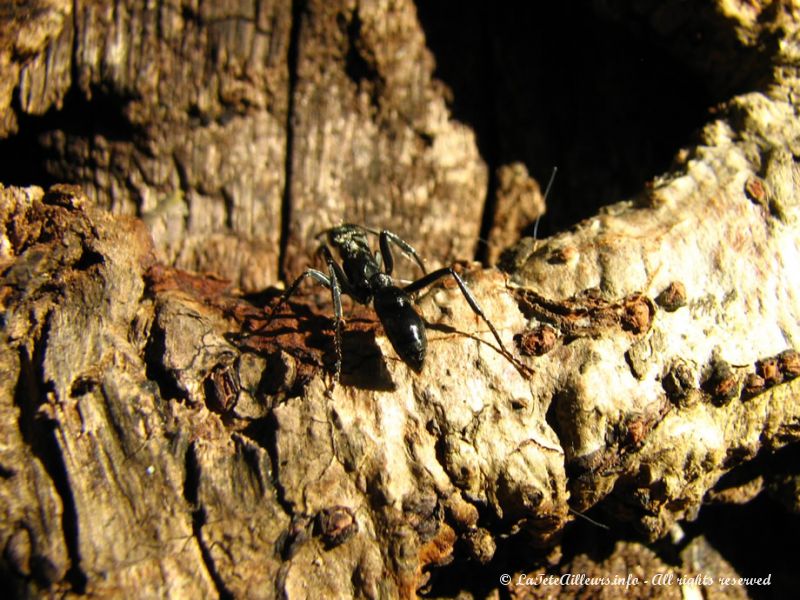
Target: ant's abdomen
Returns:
[[403, 326]]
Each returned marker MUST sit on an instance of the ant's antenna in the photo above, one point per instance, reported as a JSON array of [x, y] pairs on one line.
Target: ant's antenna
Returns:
[[546, 193], [578, 513]]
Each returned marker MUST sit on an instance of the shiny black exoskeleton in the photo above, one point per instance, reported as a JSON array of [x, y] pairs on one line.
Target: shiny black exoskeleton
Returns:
[[366, 276]]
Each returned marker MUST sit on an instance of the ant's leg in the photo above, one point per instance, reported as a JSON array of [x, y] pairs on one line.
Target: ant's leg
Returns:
[[384, 237], [318, 276], [473, 303], [333, 266], [337, 279], [331, 281]]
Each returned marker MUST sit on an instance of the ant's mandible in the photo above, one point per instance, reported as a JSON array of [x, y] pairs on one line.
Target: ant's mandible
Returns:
[[367, 277]]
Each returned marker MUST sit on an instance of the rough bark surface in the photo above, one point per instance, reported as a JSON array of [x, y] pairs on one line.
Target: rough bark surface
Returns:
[[238, 131], [195, 147], [159, 438]]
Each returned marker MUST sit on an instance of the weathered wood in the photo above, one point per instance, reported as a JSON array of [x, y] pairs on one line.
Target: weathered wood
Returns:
[[238, 132], [158, 440], [174, 112], [372, 140]]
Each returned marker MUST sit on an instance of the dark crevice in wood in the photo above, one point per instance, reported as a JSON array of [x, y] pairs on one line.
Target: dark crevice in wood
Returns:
[[252, 459], [88, 259], [191, 492], [154, 351], [298, 9], [184, 186], [357, 68], [41, 438], [264, 433], [230, 208]]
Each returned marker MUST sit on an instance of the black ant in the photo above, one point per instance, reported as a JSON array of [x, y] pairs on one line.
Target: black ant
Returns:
[[367, 277]]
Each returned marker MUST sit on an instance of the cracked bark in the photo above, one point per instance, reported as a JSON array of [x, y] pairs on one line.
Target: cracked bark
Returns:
[[158, 440]]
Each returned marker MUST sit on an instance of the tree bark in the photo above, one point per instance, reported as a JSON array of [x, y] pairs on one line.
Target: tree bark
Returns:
[[160, 438]]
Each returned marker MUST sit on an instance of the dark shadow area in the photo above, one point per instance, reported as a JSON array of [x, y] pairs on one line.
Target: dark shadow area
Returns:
[[550, 84], [302, 330], [517, 554], [44, 153], [758, 539], [154, 352], [363, 364]]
